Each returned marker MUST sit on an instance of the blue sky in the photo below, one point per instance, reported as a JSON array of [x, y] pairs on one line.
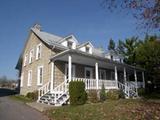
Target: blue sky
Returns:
[[84, 18]]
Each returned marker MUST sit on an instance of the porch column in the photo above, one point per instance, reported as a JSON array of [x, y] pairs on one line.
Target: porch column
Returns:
[[116, 76], [143, 79], [125, 76], [135, 77], [52, 75], [96, 71], [69, 68]]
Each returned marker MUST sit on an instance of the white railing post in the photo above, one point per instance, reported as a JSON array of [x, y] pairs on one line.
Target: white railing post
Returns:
[[135, 77], [116, 76], [125, 78], [96, 71], [69, 68], [143, 79], [52, 72]]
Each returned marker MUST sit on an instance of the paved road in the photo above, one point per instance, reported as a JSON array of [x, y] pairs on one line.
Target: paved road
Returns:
[[15, 110]]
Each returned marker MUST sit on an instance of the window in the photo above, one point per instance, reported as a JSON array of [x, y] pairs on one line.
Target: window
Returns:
[[31, 56], [111, 57], [69, 44], [112, 75], [40, 75], [29, 77], [73, 70], [38, 52], [87, 49], [25, 60], [21, 80], [102, 74]]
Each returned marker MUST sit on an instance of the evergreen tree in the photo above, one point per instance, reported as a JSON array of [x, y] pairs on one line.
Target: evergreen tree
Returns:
[[111, 45]]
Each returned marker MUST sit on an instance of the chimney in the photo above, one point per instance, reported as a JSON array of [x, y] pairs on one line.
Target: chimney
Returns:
[[37, 27]]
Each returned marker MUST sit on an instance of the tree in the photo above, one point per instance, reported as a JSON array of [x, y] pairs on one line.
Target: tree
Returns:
[[148, 57], [111, 45], [147, 11], [128, 49], [120, 47]]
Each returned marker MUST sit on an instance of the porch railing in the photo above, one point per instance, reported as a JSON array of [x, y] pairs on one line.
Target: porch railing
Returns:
[[92, 83]]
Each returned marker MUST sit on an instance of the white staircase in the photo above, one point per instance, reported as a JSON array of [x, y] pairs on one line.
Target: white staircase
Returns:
[[128, 89], [57, 97]]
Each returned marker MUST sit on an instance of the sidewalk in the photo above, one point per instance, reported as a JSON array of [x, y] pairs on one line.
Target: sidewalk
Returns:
[[40, 107]]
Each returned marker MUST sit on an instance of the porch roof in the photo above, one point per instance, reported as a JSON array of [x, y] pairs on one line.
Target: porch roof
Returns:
[[90, 60]]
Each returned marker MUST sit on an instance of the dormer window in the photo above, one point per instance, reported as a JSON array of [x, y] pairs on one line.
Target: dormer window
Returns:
[[87, 49], [111, 57], [69, 44]]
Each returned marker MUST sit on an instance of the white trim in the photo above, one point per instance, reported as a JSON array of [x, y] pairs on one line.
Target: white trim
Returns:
[[38, 51], [52, 75], [96, 71], [21, 79], [89, 69], [116, 75], [31, 55], [69, 68], [101, 71], [38, 75], [29, 78]]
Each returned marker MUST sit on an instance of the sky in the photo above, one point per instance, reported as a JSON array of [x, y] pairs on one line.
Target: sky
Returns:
[[86, 19]]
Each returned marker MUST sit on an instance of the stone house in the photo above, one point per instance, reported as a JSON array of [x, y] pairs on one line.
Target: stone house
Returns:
[[49, 62]]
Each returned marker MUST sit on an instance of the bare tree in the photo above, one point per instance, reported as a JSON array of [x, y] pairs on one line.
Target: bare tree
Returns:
[[147, 11]]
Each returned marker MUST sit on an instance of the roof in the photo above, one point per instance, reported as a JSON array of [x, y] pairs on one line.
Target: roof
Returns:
[[68, 37], [72, 51], [49, 39], [84, 44]]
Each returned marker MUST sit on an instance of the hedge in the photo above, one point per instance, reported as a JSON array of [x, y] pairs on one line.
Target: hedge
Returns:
[[115, 94], [78, 95]]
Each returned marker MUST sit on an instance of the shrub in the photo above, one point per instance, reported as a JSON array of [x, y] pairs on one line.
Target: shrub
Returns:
[[78, 95], [141, 91], [114, 94], [102, 93], [93, 96], [32, 95]]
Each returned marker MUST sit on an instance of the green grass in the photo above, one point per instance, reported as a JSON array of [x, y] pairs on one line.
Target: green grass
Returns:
[[153, 95], [109, 110], [21, 98]]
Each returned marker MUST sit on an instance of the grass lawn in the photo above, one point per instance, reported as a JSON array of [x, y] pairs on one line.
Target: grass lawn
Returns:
[[110, 110], [21, 98]]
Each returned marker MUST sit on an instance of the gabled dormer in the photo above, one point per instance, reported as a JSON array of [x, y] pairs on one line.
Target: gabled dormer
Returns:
[[86, 47], [112, 55], [69, 41]]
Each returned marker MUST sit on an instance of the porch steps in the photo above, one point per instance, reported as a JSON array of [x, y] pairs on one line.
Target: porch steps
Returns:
[[129, 90], [58, 97]]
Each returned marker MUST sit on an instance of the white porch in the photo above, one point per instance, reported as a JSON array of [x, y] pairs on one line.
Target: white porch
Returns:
[[97, 66], [94, 75]]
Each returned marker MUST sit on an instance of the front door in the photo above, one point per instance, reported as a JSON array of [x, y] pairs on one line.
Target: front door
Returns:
[[88, 72]]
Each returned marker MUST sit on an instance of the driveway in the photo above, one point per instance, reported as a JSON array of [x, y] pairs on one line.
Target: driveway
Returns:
[[15, 110]]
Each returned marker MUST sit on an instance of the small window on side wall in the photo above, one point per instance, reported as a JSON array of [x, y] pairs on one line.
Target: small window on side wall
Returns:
[[25, 60], [69, 44], [40, 75], [39, 51], [31, 55]]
